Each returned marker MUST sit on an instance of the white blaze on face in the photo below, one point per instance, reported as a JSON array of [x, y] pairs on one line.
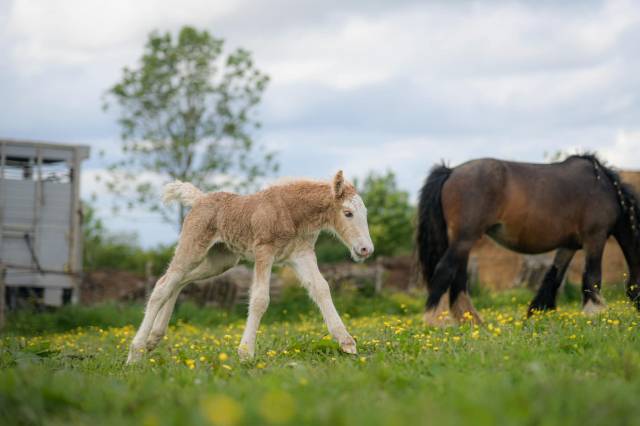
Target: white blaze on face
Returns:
[[356, 228]]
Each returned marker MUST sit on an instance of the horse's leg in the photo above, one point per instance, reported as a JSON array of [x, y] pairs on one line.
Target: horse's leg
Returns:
[[443, 277], [218, 260], [627, 244], [545, 298], [306, 267], [592, 278], [462, 308], [258, 302], [194, 243]]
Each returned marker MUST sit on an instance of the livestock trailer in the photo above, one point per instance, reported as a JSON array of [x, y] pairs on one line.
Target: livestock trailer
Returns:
[[40, 221]]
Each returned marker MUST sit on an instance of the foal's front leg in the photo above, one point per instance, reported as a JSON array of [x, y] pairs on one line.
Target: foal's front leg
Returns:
[[306, 268], [258, 303]]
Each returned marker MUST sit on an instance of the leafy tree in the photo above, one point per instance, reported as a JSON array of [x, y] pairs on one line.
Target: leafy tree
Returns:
[[390, 213], [556, 156], [103, 250], [187, 112]]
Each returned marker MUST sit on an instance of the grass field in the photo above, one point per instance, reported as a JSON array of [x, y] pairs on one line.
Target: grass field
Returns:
[[558, 368]]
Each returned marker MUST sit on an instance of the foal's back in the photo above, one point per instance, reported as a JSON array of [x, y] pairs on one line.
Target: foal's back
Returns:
[[274, 216]]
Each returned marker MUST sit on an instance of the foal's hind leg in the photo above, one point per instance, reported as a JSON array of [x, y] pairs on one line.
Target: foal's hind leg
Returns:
[[592, 278], [195, 241], [164, 290], [218, 260], [545, 298], [443, 278]]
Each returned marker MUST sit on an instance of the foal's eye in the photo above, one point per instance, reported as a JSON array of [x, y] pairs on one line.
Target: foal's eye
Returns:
[[348, 214]]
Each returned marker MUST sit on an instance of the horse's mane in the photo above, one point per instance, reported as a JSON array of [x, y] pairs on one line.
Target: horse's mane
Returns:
[[627, 196]]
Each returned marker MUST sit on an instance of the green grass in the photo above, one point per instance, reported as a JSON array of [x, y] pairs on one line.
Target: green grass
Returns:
[[558, 368]]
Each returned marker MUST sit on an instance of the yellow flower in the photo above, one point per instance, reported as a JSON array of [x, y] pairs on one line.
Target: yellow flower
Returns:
[[271, 353], [223, 357], [277, 407], [222, 410]]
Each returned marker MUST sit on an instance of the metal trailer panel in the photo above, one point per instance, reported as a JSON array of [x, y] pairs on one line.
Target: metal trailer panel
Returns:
[[17, 199], [19, 150], [15, 252], [46, 208]]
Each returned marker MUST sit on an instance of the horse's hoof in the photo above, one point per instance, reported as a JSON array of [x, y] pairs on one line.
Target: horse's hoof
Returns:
[[472, 318], [592, 308], [435, 319], [349, 346]]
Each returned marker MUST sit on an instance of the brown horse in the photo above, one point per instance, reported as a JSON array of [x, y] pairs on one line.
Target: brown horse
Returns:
[[528, 208]]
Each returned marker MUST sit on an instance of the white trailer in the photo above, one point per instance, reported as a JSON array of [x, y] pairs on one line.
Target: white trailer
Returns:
[[40, 221]]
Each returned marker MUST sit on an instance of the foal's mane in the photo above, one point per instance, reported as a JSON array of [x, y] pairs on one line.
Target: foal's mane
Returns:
[[627, 196], [288, 180]]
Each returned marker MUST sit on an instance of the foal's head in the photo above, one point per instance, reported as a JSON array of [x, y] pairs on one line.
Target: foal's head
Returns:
[[350, 219]]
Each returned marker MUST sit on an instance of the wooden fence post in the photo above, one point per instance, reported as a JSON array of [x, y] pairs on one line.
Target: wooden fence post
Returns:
[[379, 274]]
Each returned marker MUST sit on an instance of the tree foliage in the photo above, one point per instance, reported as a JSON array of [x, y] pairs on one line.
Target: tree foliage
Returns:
[[187, 112], [103, 250], [390, 213]]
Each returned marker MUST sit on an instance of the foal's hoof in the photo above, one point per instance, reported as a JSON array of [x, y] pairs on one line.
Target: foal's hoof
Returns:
[[245, 353], [592, 308], [349, 346], [135, 355]]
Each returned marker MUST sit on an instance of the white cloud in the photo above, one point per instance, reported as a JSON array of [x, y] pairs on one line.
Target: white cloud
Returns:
[[77, 32], [624, 151], [358, 85]]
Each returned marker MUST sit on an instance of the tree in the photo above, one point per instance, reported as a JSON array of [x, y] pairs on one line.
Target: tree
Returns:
[[103, 250], [187, 112], [390, 213]]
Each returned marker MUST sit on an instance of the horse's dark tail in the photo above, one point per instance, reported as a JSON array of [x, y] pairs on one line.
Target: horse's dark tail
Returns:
[[431, 236]]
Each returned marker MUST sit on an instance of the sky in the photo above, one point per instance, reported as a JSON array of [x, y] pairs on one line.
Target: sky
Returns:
[[368, 85]]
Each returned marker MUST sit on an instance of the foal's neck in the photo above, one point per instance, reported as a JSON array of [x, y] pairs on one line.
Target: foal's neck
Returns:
[[310, 204]]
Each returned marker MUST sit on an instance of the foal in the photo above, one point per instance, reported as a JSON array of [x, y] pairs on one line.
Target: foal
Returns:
[[279, 224]]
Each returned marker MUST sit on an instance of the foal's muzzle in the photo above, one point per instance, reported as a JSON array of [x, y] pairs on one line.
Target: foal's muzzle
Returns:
[[361, 252]]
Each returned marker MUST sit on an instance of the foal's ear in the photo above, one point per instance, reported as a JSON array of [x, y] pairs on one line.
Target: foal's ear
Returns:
[[338, 184]]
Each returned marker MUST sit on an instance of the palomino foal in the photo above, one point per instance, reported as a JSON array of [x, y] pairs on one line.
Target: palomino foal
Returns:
[[279, 224]]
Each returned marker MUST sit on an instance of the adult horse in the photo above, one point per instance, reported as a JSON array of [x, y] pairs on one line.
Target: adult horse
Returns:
[[528, 208], [278, 224]]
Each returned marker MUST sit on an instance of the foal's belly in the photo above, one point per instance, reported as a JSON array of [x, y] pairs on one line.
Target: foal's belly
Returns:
[[523, 239]]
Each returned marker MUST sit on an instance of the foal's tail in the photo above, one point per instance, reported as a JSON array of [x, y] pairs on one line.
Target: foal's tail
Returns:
[[182, 192], [431, 236]]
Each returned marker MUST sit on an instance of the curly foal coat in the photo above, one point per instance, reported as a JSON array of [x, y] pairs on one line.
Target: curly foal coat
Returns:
[[278, 224]]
